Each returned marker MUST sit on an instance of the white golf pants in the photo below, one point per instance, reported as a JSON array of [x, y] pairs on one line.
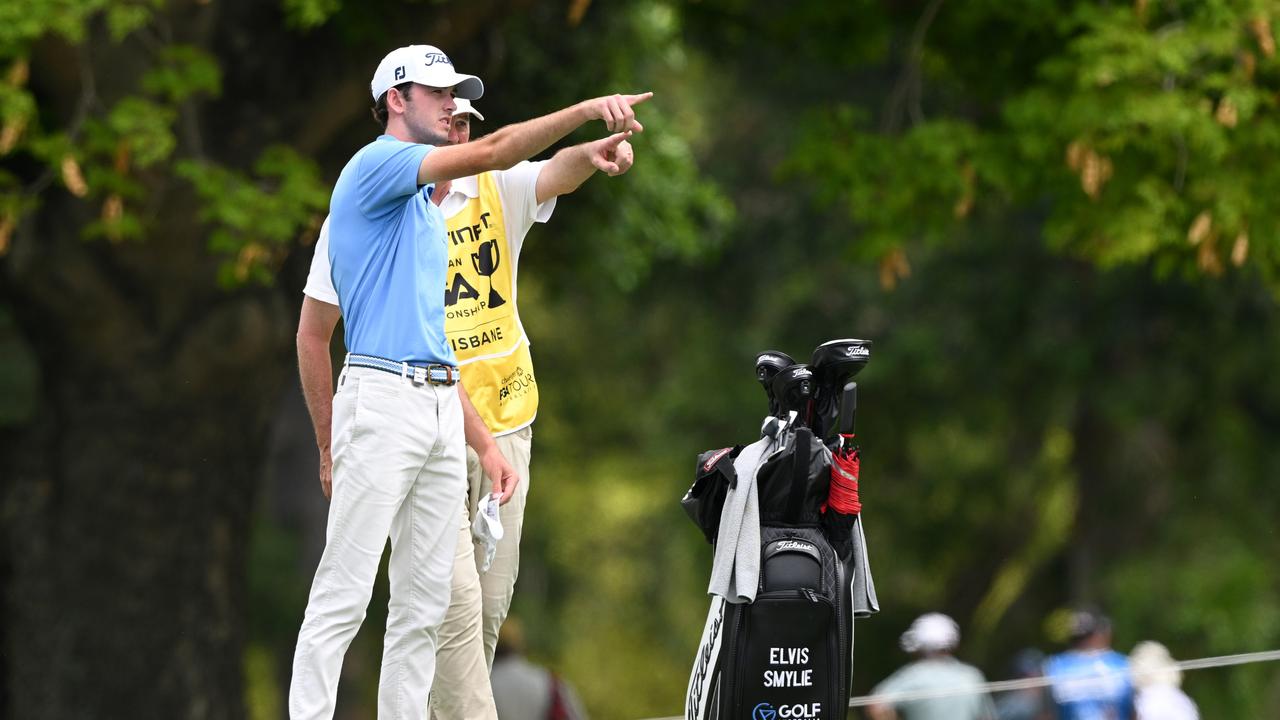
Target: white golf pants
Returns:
[[399, 471]]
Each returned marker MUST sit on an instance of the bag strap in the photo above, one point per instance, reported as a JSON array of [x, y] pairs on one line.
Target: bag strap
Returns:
[[799, 472]]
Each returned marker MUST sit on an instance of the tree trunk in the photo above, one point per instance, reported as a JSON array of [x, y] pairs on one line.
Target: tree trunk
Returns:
[[129, 492]]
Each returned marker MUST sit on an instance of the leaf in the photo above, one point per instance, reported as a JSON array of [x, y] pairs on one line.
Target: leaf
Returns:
[[183, 71], [1201, 228], [254, 217], [306, 14], [72, 177]]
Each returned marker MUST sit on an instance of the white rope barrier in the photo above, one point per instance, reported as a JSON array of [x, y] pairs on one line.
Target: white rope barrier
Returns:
[[1035, 682]]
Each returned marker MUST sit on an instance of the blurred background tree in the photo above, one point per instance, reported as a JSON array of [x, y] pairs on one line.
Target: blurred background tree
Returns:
[[1052, 217]]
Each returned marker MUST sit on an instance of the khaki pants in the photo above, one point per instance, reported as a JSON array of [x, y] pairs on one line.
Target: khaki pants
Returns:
[[479, 602]]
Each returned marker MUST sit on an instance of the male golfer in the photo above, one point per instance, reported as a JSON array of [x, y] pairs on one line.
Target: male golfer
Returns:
[[397, 430], [503, 205]]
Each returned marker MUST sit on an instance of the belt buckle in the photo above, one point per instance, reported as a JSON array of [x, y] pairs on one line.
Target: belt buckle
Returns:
[[419, 375], [433, 374]]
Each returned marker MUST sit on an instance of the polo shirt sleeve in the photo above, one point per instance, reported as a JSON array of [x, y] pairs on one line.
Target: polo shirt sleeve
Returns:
[[387, 174], [320, 279], [518, 187]]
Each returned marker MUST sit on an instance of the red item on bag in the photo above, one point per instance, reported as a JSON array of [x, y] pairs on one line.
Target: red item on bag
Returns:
[[843, 496]]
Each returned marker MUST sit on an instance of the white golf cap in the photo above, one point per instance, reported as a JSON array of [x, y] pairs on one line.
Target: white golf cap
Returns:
[[931, 632], [1151, 664], [425, 65], [464, 107]]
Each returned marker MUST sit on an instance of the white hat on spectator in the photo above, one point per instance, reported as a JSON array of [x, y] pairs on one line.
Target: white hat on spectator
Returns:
[[1151, 664], [931, 632]]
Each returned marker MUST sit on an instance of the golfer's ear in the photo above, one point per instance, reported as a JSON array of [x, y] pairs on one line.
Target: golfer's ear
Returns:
[[395, 100]]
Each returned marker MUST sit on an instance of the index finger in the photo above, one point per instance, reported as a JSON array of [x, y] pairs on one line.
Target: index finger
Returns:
[[616, 138], [637, 99]]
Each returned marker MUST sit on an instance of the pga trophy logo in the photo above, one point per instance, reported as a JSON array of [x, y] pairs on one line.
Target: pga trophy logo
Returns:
[[486, 261]]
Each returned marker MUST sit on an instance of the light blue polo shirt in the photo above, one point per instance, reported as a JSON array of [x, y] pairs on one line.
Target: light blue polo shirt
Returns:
[[388, 255]]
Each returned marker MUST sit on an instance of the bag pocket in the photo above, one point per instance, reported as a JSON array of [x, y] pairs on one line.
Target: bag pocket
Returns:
[[786, 658], [704, 500], [791, 563]]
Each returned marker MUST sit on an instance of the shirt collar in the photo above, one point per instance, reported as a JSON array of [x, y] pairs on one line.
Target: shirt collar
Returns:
[[468, 186]]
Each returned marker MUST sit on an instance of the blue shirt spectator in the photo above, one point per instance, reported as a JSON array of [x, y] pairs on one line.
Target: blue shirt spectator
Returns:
[[1091, 681]]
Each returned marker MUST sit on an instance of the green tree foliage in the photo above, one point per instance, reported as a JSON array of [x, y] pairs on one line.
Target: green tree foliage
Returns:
[[1134, 127], [101, 153]]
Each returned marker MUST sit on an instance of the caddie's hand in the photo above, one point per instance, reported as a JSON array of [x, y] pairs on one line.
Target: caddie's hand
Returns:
[[624, 157], [616, 112], [326, 473], [504, 476], [606, 151]]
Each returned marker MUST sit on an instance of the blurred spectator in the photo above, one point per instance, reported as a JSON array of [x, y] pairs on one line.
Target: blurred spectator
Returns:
[[524, 691], [1090, 681], [1029, 703], [932, 638], [1157, 680]]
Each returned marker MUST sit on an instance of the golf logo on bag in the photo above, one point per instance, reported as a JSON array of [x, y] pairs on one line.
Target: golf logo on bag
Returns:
[[765, 711], [790, 570]]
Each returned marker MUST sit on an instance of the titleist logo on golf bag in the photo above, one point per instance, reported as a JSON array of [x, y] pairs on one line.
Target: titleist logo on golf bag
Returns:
[[796, 545]]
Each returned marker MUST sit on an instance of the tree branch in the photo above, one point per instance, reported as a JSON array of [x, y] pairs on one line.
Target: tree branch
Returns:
[[907, 92]]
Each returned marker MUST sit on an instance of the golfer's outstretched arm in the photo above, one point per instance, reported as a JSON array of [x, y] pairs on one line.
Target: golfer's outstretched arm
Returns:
[[315, 331], [513, 143]]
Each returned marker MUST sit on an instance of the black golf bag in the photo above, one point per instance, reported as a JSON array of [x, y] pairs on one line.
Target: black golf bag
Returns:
[[783, 648]]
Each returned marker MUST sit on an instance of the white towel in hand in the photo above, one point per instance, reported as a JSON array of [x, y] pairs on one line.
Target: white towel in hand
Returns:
[[487, 528]]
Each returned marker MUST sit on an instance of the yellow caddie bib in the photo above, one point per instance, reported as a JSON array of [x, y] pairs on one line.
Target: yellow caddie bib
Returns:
[[481, 321]]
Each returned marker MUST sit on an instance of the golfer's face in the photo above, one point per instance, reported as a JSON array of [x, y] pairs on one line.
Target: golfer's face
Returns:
[[429, 113]]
